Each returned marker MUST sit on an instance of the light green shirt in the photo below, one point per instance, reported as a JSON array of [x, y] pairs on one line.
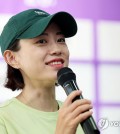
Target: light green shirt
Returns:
[[18, 118]]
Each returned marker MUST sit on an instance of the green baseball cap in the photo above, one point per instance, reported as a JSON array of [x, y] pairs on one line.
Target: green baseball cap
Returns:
[[32, 23]]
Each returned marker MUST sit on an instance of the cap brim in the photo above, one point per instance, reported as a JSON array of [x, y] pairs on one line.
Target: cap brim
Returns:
[[64, 20]]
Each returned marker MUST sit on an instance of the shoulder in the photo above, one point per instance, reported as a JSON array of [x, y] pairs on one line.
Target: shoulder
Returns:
[[3, 112], [5, 105]]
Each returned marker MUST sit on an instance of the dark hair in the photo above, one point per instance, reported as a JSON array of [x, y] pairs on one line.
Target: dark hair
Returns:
[[14, 79]]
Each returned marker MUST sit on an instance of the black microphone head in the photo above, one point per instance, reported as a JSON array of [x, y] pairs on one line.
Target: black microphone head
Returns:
[[65, 74]]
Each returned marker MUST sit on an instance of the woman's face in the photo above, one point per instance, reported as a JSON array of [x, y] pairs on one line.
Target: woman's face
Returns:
[[40, 58]]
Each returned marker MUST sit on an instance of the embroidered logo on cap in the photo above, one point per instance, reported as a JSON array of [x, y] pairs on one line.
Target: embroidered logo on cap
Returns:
[[40, 13]]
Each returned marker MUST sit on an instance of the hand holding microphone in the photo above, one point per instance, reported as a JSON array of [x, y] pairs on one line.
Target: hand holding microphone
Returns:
[[67, 79]]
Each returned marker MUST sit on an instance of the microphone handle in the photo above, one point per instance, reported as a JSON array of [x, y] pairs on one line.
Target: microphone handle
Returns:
[[89, 126]]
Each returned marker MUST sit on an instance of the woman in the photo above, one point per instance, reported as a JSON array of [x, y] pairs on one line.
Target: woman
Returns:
[[33, 45]]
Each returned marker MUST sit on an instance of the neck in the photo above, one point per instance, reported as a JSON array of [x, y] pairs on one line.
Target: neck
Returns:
[[40, 99]]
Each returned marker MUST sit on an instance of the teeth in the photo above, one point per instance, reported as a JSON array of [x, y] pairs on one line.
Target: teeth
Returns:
[[56, 63]]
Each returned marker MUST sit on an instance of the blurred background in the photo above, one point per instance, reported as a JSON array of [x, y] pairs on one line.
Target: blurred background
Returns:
[[94, 53]]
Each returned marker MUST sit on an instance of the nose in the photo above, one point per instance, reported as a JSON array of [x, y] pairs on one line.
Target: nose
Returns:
[[55, 49]]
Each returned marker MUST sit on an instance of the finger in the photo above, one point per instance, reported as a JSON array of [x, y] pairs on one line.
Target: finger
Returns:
[[71, 96], [81, 109], [78, 103], [83, 116]]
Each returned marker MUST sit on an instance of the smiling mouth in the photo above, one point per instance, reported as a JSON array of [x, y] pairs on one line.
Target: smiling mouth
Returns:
[[56, 62]]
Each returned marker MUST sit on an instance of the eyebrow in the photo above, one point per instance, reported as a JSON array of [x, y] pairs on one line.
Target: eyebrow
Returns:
[[58, 33]]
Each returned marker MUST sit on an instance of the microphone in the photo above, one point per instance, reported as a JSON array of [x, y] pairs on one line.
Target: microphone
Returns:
[[67, 79]]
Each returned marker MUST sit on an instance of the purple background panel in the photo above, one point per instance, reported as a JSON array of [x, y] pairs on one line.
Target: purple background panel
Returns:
[[93, 9]]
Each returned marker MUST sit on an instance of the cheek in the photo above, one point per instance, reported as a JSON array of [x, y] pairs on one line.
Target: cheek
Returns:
[[66, 53], [31, 67], [33, 61], [25, 61], [25, 64]]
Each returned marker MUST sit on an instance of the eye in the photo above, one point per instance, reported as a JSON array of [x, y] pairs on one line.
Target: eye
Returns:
[[41, 41], [61, 40]]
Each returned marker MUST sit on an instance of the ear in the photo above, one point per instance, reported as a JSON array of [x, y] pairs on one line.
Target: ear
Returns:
[[10, 58]]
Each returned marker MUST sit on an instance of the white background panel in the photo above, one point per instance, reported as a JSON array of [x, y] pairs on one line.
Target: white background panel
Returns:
[[3, 20], [4, 92], [85, 79], [111, 115], [3, 68], [60, 93], [109, 83], [108, 34], [81, 45]]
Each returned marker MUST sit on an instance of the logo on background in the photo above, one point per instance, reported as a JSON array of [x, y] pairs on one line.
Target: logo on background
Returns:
[[103, 123]]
